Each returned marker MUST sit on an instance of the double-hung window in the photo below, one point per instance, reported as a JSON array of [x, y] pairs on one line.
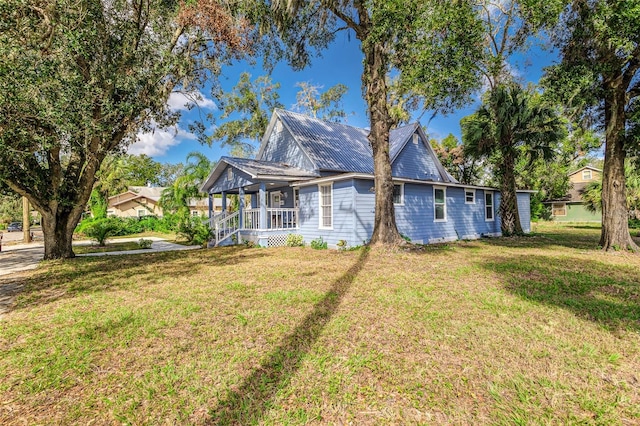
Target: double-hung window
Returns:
[[439, 204], [488, 206], [326, 205], [398, 194], [469, 196]]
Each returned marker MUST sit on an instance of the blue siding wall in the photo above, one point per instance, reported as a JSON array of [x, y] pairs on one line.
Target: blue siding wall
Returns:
[[224, 184], [282, 147], [365, 211], [415, 218], [353, 214], [524, 209], [415, 162], [464, 221], [342, 214]]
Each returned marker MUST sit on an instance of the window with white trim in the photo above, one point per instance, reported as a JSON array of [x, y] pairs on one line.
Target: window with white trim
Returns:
[[586, 174], [439, 204], [296, 197], [469, 196], [229, 173], [398, 194], [559, 209], [488, 206], [326, 205], [142, 212]]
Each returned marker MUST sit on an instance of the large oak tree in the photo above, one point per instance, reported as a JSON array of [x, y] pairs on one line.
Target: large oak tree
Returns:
[[598, 75], [80, 79]]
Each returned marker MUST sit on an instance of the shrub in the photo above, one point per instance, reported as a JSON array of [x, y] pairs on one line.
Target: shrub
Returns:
[[318, 244], [144, 244], [101, 229], [294, 240], [194, 230]]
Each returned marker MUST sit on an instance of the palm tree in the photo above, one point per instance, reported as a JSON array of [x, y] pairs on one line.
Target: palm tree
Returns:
[[187, 186], [511, 123]]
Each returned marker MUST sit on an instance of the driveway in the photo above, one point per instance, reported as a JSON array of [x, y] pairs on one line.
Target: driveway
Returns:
[[16, 258]]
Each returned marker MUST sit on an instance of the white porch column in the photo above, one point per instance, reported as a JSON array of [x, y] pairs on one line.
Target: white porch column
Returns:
[[263, 206], [241, 206]]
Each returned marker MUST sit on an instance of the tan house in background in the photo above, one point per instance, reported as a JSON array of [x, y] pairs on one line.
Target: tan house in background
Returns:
[[570, 208], [140, 201]]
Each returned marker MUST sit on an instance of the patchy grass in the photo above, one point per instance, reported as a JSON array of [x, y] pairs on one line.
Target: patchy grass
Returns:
[[111, 246], [534, 330]]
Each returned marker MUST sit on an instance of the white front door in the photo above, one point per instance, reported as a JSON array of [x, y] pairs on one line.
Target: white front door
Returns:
[[276, 198]]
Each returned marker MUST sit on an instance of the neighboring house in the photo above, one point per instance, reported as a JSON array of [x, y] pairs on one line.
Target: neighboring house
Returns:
[[571, 208], [315, 178], [140, 201]]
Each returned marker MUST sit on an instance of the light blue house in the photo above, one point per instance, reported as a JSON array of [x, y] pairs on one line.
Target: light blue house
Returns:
[[315, 178]]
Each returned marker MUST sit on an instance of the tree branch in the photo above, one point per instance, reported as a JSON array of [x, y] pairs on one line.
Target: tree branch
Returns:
[[350, 22]]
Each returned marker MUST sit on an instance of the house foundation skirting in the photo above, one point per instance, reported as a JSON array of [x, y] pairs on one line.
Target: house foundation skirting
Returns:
[[263, 238]]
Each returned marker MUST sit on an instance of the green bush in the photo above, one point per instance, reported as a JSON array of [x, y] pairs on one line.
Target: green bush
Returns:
[[101, 229], [134, 225], [318, 244], [144, 244], [294, 240], [195, 230]]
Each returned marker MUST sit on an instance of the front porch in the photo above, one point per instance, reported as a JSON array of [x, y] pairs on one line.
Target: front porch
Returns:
[[267, 208], [264, 226]]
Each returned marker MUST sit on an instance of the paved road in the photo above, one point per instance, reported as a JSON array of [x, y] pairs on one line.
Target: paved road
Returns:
[[16, 258]]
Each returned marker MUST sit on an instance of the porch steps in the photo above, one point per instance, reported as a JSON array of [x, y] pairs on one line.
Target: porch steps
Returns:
[[224, 226]]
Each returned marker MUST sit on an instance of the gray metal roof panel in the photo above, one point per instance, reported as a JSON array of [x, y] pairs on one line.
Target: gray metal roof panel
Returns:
[[336, 146]]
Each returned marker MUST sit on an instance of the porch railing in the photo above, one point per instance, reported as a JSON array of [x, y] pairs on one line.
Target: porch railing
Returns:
[[277, 218], [225, 226]]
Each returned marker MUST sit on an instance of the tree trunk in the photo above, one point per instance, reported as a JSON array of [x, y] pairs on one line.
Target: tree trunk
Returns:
[[385, 230], [26, 220], [58, 234], [509, 214], [615, 216]]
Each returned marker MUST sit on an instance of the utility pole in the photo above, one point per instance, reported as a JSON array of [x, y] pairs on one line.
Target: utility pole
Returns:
[[26, 220]]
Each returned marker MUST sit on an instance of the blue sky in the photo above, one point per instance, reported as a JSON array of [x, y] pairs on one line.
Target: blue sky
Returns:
[[341, 63]]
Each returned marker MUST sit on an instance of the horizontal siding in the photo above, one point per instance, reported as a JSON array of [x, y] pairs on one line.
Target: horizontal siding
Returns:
[[342, 214], [416, 218], [524, 209], [282, 148], [415, 162], [224, 184], [364, 216]]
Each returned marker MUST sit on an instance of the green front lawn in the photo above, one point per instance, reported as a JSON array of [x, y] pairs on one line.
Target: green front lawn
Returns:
[[110, 246], [534, 330]]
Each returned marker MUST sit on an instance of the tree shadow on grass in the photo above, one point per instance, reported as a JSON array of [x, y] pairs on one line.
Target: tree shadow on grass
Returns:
[[247, 404], [607, 294], [67, 279]]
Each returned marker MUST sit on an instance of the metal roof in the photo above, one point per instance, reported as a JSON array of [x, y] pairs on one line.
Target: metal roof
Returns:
[[338, 147], [257, 168]]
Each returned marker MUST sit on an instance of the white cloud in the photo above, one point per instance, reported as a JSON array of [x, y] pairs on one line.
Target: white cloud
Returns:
[[158, 142], [179, 101]]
